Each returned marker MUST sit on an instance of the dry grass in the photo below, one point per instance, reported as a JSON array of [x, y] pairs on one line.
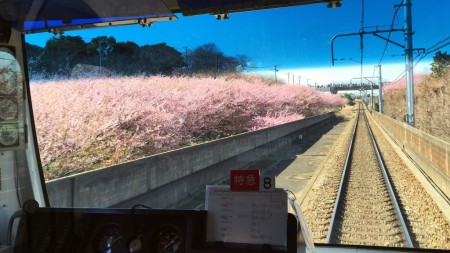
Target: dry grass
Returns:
[[432, 105]]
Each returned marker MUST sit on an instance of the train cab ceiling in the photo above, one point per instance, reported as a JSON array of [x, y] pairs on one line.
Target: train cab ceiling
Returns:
[[53, 15]]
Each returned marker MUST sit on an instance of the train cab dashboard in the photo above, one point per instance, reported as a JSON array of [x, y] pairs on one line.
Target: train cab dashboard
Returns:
[[76, 230]]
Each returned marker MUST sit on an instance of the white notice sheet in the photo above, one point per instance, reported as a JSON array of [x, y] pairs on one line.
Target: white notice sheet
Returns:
[[246, 217]]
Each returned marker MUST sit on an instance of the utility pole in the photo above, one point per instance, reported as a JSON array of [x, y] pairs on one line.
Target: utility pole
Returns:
[[371, 96], [186, 59], [100, 54], [410, 116], [361, 40], [408, 48], [288, 74], [299, 79], [380, 92], [275, 70], [217, 66]]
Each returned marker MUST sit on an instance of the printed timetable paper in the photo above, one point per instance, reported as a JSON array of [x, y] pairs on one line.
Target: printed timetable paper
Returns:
[[246, 217]]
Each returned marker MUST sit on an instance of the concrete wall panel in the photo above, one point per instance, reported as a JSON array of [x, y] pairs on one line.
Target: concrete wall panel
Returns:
[[171, 176], [429, 152]]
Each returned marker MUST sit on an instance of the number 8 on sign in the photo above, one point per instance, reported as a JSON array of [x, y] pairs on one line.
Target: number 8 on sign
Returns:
[[267, 183]]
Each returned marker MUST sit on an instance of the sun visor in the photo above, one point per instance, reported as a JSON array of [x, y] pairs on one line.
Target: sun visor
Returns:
[[196, 7], [57, 26], [35, 15]]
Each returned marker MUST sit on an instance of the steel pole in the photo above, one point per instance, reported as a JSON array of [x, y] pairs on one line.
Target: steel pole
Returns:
[[371, 96], [410, 116], [380, 92]]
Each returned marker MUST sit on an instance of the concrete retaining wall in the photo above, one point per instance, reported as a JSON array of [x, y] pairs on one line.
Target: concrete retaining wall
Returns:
[[431, 154], [171, 176]]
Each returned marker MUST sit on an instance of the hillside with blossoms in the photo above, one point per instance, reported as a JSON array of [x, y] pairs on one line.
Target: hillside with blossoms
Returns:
[[89, 123]]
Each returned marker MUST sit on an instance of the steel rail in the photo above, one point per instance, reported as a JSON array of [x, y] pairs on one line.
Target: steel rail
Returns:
[[391, 191], [340, 198], [333, 224]]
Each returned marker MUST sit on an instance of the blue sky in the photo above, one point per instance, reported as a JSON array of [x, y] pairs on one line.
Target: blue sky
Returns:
[[297, 39]]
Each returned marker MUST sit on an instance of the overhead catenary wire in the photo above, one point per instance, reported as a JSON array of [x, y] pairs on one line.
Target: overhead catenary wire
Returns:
[[435, 46], [402, 74], [397, 8], [427, 51]]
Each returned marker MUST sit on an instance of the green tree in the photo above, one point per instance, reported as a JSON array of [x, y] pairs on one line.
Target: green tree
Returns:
[[125, 58], [244, 61], [349, 98], [440, 64], [99, 49], [34, 54], [33, 51], [208, 59], [160, 59], [61, 54]]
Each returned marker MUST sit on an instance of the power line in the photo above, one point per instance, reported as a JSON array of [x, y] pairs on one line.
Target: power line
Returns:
[[397, 8], [427, 52], [440, 44], [403, 72], [433, 49], [437, 44], [362, 37]]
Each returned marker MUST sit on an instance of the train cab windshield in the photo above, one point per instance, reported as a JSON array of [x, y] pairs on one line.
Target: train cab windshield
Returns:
[[224, 126]]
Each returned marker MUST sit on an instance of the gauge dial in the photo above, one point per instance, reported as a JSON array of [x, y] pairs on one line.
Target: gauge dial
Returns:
[[8, 109], [135, 245], [169, 240], [9, 135], [9, 80], [9, 87], [107, 239]]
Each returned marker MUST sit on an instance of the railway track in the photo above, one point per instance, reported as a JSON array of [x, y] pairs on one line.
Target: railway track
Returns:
[[366, 210], [428, 227]]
